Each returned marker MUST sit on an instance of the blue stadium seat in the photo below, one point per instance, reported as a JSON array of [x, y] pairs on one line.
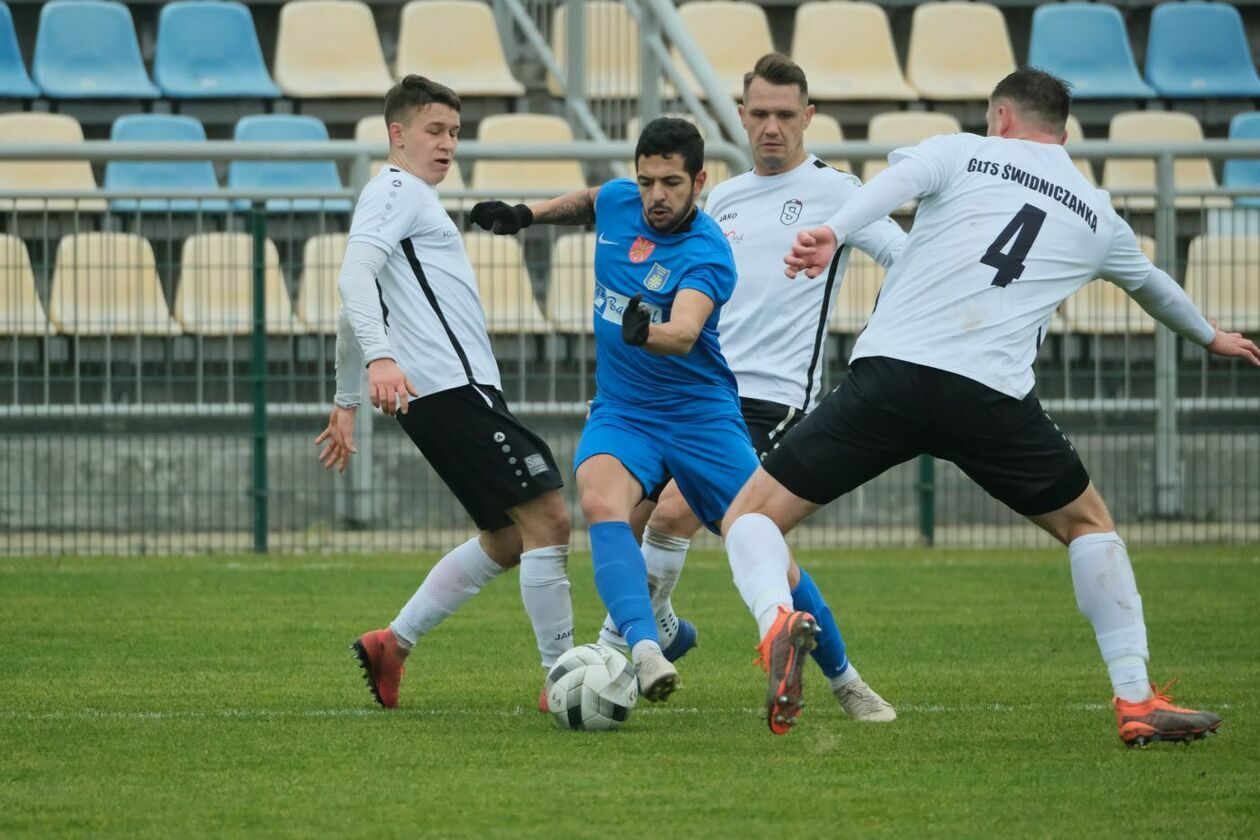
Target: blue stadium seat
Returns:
[[290, 175], [1086, 44], [1199, 50], [1244, 173], [210, 50], [14, 83], [156, 175], [87, 49]]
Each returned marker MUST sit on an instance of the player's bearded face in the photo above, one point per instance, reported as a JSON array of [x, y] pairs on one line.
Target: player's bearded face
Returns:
[[775, 117], [667, 191], [426, 144]]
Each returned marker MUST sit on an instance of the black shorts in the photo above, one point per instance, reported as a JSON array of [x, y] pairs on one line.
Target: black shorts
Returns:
[[889, 411], [487, 457], [767, 423]]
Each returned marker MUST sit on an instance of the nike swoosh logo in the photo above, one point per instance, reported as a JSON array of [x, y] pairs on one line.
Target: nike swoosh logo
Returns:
[[603, 241]]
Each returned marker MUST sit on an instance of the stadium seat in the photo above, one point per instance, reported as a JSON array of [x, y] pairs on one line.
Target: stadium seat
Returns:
[[286, 175], [1103, 308], [571, 292], [1244, 173], [329, 49], [1076, 135], [156, 175], [1199, 50], [14, 81], [216, 281], [468, 57], [50, 175], [732, 35], [371, 129], [866, 68], [1086, 45], [825, 129], [210, 50], [107, 284], [318, 302], [856, 299], [1158, 127], [612, 50], [936, 65], [1223, 279], [506, 176], [21, 313], [87, 49], [905, 128], [503, 285]]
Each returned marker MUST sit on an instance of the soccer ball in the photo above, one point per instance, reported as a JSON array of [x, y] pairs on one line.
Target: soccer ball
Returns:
[[591, 687]]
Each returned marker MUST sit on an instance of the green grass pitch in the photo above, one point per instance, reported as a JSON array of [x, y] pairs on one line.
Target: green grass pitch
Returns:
[[217, 696]]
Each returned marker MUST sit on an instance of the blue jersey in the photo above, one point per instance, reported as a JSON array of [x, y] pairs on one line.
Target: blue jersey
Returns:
[[631, 257]]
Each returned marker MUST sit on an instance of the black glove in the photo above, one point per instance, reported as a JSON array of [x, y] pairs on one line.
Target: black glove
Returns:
[[501, 217], [634, 323]]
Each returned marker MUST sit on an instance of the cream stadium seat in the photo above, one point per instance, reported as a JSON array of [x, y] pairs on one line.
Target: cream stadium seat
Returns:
[[1158, 127], [456, 43], [732, 35], [1223, 279], [371, 129], [866, 68], [21, 313], [1076, 135], [506, 176], [503, 284], [107, 284], [45, 175], [1103, 308], [328, 49], [571, 292], [958, 50], [858, 291], [825, 129], [717, 170], [318, 302], [612, 50], [216, 281], [905, 128]]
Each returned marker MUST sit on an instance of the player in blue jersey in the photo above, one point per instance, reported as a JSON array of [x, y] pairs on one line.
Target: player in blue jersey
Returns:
[[667, 403]]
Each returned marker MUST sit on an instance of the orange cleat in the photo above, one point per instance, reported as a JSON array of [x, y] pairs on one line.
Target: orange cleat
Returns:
[[1157, 719], [543, 705], [382, 667], [783, 650]]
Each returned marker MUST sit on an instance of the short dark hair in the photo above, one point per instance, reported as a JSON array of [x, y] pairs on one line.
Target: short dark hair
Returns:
[[777, 69], [416, 92], [1038, 94], [672, 136]]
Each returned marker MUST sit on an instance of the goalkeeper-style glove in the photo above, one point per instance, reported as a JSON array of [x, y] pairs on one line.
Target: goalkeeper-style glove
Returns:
[[634, 323], [501, 217]]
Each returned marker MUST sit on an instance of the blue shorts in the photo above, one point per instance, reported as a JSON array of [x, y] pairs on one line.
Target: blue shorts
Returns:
[[710, 458]]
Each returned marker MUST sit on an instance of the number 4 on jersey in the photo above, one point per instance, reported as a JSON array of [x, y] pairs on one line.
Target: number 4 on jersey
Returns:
[[1024, 228]]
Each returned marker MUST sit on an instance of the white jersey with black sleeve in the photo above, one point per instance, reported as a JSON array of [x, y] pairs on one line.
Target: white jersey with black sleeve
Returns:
[[426, 291], [773, 330], [1006, 230]]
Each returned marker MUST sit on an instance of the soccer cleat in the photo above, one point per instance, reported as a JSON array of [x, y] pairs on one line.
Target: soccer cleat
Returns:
[[683, 641], [382, 672], [658, 678], [782, 653], [543, 705], [1157, 719], [860, 702]]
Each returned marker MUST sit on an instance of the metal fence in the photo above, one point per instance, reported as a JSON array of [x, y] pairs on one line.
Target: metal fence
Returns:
[[168, 360]]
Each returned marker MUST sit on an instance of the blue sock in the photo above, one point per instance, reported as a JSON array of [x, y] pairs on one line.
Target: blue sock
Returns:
[[829, 654], [621, 578]]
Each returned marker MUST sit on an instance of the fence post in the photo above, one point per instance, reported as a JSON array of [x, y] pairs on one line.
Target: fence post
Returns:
[[575, 55], [927, 499], [1167, 455], [361, 511], [649, 69], [258, 374]]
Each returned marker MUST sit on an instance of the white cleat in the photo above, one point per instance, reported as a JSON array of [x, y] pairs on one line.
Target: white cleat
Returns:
[[861, 702], [658, 678]]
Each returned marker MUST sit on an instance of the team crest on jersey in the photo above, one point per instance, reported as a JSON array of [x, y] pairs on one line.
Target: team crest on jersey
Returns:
[[656, 277], [641, 249], [791, 211]]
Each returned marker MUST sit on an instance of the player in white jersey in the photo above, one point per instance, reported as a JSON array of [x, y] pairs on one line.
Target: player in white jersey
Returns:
[[773, 331], [411, 312], [1006, 230]]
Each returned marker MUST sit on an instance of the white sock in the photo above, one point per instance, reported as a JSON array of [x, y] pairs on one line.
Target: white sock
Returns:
[[642, 649], [759, 563], [453, 580], [845, 677], [545, 593], [663, 555], [1107, 595]]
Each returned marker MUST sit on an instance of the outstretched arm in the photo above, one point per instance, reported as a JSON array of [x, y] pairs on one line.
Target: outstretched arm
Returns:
[[575, 208]]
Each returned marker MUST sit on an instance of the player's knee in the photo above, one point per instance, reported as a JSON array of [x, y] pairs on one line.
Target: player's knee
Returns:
[[552, 523], [503, 546], [600, 506], [673, 517]]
